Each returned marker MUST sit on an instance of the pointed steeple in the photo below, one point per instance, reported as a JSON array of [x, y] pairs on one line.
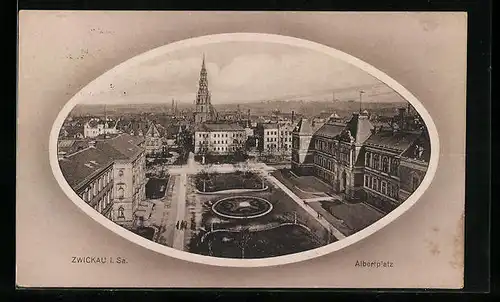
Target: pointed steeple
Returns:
[[204, 110], [203, 92]]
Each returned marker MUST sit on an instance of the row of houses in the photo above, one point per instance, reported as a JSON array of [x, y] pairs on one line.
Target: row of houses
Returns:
[[380, 165], [109, 175], [157, 137]]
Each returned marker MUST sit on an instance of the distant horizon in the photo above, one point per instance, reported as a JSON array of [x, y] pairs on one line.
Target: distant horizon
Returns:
[[169, 103], [241, 72]]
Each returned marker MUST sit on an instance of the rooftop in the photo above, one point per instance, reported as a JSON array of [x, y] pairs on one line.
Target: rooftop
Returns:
[[399, 140], [304, 126], [212, 127], [120, 147], [81, 166], [330, 130]]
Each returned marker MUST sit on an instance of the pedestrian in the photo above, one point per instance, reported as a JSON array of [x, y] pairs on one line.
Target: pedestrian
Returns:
[[177, 225], [184, 224]]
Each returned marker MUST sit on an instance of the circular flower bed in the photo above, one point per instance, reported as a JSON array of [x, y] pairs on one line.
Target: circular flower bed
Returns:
[[241, 207]]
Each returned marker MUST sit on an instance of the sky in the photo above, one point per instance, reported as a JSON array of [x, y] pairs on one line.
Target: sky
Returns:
[[240, 72]]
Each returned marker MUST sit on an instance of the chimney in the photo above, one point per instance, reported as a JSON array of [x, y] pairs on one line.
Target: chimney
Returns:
[[402, 117]]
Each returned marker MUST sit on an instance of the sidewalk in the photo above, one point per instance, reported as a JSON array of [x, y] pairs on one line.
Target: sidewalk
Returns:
[[180, 196], [339, 235]]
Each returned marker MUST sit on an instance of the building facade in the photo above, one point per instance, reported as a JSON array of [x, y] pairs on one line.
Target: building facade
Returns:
[[337, 153], [268, 134], [154, 142], [90, 173], [219, 138], [379, 166], [285, 130], [129, 175], [95, 127], [109, 175], [302, 151]]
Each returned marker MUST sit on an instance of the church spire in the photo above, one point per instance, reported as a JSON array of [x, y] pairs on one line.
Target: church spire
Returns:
[[204, 110], [203, 92]]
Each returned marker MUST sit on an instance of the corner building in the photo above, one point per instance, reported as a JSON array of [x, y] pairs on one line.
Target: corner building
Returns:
[[379, 166]]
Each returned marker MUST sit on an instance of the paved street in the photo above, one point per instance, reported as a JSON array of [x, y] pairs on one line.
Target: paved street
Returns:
[[180, 196]]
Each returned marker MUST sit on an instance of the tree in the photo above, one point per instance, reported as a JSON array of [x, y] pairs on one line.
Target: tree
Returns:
[[204, 177], [244, 237], [185, 141]]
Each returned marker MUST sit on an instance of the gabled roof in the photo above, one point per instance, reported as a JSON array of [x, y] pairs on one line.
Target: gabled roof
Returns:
[[153, 130], [360, 128]]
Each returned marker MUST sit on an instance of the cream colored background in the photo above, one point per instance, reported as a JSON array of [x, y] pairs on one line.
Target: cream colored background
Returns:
[[59, 53]]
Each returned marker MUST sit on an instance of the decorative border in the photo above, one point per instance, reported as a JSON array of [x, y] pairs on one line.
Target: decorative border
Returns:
[[264, 262]]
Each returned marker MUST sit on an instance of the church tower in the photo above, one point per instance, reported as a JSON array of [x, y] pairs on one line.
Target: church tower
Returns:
[[204, 111]]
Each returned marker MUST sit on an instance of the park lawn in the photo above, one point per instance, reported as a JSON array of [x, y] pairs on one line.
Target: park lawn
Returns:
[[156, 188], [356, 216], [227, 181], [262, 244]]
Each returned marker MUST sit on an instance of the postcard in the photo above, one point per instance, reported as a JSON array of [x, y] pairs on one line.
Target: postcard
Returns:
[[241, 149]]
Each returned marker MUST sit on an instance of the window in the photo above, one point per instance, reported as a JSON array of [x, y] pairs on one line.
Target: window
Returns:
[[394, 166], [384, 187], [366, 180], [376, 163], [368, 157], [385, 164], [121, 212], [121, 192], [375, 184], [120, 172]]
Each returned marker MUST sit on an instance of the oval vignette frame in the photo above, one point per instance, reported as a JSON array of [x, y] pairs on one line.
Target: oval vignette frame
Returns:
[[261, 262]]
